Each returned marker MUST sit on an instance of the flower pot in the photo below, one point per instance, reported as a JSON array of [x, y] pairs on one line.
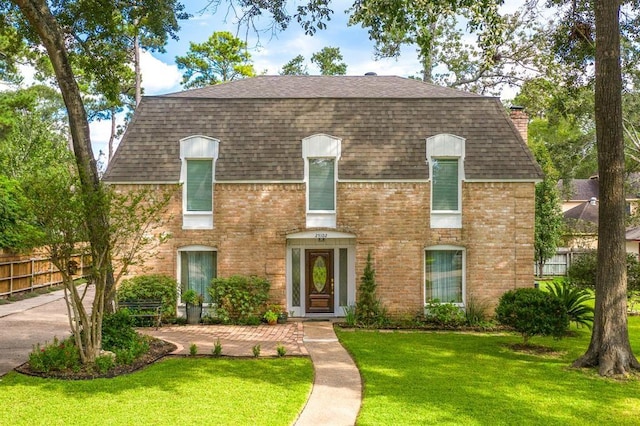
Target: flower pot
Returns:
[[194, 313]]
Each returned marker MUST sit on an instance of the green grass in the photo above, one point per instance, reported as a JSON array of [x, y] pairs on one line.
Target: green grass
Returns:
[[475, 379], [174, 391]]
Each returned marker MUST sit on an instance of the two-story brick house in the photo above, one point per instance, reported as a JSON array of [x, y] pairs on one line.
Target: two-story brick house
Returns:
[[297, 178]]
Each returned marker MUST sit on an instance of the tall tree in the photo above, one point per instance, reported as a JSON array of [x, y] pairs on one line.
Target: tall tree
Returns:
[[295, 66], [329, 61], [549, 219], [222, 57], [609, 348]]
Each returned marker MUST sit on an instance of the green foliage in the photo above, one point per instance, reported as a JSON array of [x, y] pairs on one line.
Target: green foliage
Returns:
[[217, 348], [193, 349], [532, 312], [476, 312], [443, 314], [192, 297], [152, 287], [328, 60], [369, 309], [222, 57], [575, 301], [17, 222], [104, 363], [350, 315], [548, 212], [271, 317], [118, 331], [582, 272], [256, 351], [56, 356], [281, 350], [295, 67], [119, 337], [239, 298]]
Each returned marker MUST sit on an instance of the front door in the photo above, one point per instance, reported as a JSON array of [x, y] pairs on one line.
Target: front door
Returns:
[[319, 281]]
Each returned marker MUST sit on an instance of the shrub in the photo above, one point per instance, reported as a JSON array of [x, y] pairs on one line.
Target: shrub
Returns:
[[119, 337], [56, 356], [532, 312], [582, 272], [104, 363], [152, 287], [574, 299], [444, 314], [239, 299], [476, 312], [217, 348]]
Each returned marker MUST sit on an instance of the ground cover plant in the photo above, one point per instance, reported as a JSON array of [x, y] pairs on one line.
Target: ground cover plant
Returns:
[[477, 379], [195, 390]]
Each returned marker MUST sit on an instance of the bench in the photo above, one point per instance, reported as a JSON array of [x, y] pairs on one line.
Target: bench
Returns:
[[144, 309]]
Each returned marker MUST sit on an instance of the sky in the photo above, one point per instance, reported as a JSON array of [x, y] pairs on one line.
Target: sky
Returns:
[[268, 52]]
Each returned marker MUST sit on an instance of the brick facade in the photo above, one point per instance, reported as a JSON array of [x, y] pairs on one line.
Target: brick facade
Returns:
[[252, 221]]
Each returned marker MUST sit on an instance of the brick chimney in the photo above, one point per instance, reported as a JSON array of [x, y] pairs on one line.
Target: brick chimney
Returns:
[[520, 120]]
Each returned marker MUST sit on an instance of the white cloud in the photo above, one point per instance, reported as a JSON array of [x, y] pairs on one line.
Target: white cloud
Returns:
[[157, 76]]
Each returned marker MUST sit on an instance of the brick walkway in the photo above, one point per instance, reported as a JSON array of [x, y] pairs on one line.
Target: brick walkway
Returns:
[[235, 340]]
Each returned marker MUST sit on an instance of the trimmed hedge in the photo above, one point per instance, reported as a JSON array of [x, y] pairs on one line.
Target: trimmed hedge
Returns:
[[239, 299]]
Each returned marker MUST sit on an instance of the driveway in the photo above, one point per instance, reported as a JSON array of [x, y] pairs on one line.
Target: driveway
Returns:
[[31, 321]]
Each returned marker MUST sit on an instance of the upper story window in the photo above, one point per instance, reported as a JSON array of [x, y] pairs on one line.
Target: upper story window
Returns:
[[198, 185], [321, 154], [198, 155], [445, 156], [444, 184], [322, 184]]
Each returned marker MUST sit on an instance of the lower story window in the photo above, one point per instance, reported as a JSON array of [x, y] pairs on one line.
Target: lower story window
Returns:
[[444, 275], [197, 269]]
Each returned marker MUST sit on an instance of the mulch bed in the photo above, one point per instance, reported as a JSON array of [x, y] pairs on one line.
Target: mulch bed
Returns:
[[157, 350]]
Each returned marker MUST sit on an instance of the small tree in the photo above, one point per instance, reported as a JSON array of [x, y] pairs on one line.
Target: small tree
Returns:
[[369, 309], [295, 66], [548, 214], [532, 312]]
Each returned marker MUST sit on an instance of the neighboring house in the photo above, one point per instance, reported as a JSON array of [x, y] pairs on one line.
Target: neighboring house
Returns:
[[580, 208], [297, 178]]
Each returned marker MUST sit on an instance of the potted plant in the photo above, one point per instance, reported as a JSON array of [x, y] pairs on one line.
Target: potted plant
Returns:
[[193, 301], [271, 317], [282, 316]]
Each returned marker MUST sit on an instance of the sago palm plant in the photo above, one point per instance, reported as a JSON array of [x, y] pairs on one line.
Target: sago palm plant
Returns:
[[575, 300]]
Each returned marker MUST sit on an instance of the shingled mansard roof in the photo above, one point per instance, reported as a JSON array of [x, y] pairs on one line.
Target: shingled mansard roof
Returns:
[[383, 123]]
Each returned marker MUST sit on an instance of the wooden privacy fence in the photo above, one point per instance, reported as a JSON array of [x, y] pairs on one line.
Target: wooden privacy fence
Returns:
[[26, 274]]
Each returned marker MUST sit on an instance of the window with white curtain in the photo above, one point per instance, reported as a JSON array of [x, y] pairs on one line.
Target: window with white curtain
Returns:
[[444, 275], [197, 269]]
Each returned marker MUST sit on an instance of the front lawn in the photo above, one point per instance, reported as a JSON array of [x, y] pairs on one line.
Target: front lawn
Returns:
[[174, 391], [475, 379]]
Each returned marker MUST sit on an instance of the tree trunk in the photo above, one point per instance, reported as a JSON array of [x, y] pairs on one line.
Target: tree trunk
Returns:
[[94, 197], [112, 136], [609, 348], [136, 64]]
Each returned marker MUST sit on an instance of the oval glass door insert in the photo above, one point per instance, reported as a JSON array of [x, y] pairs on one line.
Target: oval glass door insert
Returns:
[[319, 274]]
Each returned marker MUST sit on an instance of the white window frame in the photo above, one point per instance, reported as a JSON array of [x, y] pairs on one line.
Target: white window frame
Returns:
[[321, 146], [446, 147], [463, 272], [197, 147]]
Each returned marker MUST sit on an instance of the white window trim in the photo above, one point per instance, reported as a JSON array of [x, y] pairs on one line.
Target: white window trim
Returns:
[[197, 147], [446, 146], [321, 146], [464, 271]]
